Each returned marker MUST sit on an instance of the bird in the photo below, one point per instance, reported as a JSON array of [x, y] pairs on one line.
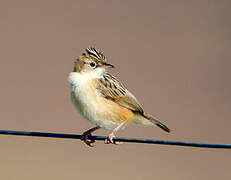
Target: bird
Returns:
[[102, 99]]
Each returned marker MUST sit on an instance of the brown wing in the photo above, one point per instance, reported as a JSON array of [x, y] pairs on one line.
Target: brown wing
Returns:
[[113, 90]]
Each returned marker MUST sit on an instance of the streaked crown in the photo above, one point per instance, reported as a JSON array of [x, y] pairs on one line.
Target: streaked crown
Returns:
[[95, 54]]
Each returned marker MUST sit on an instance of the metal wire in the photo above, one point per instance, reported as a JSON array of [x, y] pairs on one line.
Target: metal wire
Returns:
[[102, 138]]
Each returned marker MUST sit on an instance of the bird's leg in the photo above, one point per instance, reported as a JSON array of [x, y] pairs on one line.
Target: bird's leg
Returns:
[[112, 135], [86, 134]]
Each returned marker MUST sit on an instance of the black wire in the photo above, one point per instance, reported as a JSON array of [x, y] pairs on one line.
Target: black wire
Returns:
[[102, 138]]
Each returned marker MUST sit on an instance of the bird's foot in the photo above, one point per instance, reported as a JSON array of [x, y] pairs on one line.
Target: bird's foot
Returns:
[[109, 140], [84, 138]]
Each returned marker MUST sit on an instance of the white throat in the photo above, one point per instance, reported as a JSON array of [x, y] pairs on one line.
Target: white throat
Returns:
[[97, 73], [84, 77]]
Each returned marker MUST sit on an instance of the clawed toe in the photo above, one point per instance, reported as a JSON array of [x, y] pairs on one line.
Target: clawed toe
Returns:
[[86, 134], [109, 140], [89, 143], [85, 139]]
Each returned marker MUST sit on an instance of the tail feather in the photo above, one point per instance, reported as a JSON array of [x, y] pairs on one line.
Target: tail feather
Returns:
[[156, 122]]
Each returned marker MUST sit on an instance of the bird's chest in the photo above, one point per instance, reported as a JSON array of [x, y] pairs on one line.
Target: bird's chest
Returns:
[[83, 96]]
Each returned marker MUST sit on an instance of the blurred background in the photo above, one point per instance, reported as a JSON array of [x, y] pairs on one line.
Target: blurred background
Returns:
[[173, 55]]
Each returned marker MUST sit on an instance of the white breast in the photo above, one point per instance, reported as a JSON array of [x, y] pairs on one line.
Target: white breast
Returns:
[[86, 100], [81, 93]]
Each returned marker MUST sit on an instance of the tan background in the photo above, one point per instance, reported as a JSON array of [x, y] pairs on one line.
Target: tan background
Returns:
[[173, 55]]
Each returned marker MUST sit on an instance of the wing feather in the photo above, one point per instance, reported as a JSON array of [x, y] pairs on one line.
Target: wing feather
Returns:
[[111, 89]]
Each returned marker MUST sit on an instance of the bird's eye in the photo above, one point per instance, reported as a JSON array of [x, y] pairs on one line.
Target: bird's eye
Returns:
[[92, 64]]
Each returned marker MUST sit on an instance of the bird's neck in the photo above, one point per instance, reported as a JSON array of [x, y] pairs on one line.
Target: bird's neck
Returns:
[[97, 73], [78, 77]]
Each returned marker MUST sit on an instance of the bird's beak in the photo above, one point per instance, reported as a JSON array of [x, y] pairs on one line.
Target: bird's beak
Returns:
[[107, 65]]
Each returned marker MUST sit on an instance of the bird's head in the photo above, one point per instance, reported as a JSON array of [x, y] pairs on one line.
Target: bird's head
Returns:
[[91, 61]]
